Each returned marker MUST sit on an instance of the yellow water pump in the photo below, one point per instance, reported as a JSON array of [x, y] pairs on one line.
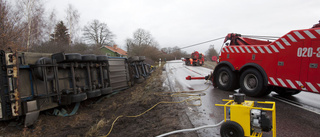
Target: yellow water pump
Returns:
[[246, 119]]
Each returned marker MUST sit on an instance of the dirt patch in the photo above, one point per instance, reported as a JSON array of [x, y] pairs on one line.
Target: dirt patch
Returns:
[[95, 116]]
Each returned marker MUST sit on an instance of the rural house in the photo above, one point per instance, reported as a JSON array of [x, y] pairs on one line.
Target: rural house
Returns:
[[114, 51]]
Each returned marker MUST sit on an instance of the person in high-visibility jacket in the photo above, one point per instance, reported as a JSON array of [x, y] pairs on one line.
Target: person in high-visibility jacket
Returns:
[[191, 61]]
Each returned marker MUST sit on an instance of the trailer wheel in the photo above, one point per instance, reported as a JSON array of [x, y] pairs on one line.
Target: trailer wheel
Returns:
[[78, 97], [73, 57], [73, 98], [49, 70], [139, 80], [134, 58], [231, 129], [225, 79], [89, 57], [105, 91], [251, 83], [102, 58], [93, 93], [142, 58]]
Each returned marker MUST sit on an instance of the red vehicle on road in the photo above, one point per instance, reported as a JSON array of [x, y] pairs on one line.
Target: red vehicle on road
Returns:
[[197, 59], [287, 65]]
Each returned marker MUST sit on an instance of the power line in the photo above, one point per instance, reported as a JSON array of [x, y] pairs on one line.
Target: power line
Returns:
[[202, 43]]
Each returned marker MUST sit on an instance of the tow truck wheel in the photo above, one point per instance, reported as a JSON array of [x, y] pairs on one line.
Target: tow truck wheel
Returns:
[[251, 83], [225, 79], [287, 92], [231, 129]]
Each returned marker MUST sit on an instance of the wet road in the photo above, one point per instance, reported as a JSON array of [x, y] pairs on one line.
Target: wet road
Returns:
[[297, 116]]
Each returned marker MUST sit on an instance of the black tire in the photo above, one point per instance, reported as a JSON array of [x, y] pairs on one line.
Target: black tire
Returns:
[[49, 70], [231, 129], [94, 93], [142, 58], [139, 80], [106, 91], [102, 58], [225, 79], [73, 98], [134, 58], [287, 92], [73, 57], [78, 97], [252, 83], [89, 57]]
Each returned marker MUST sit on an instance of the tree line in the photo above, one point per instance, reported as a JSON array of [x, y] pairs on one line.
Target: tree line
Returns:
[[26, 26]]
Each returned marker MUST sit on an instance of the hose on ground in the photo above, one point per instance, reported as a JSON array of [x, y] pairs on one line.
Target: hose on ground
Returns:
[[164, 102], [193, 96], [190, 129]]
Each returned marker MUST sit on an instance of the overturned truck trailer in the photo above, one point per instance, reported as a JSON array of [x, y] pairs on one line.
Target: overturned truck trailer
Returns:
[[33, 82]]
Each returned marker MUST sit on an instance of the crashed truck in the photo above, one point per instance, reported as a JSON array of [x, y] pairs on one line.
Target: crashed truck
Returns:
[[33, 82]]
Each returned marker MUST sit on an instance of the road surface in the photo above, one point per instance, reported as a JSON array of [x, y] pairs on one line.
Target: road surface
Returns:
[[296, 116]]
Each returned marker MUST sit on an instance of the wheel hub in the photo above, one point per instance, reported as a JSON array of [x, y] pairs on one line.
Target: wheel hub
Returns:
[[250, 82], [224, 78]]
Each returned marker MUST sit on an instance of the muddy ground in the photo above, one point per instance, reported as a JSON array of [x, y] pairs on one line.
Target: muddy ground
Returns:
[[95, 116]]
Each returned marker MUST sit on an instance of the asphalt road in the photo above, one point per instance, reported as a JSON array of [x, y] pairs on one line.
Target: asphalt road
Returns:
[[296, 116]]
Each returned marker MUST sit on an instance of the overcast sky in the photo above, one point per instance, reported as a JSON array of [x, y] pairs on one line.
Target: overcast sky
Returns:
[[185, 22]]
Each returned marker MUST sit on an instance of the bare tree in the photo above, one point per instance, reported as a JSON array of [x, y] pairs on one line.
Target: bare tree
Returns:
[[51, 23], [33, 11], [143, 37], [98, 33], [72, 21], [141, 40], [10, 27]]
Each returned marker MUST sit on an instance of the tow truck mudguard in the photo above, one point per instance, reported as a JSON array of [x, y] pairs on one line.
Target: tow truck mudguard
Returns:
[[224, 63]]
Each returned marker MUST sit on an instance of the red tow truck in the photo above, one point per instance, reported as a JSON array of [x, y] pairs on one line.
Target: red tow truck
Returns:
[[197, 59], [287, 65]]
